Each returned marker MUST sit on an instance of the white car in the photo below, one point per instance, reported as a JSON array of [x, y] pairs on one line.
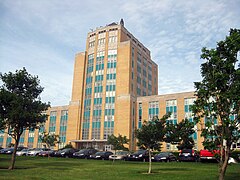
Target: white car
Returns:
[[232, 161], [23, 152], [36, 151]]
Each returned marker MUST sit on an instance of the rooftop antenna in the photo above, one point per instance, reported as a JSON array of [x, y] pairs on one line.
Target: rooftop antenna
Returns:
[[122, 22]]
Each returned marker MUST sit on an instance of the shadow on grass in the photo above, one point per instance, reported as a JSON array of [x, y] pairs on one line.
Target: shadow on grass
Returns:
[[232, 175], [164, 170]]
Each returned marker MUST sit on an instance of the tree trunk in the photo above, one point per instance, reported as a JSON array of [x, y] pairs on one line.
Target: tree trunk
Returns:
[[150, 162], [11, 167], [223, 164], [114, 158]]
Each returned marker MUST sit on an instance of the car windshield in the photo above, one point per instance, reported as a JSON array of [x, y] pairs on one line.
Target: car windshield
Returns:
[[140, 152], [37, 149], [186, 151], [82, 151], [24, 150], [163, 154], [121, 153], [100, 153], [65, 150]]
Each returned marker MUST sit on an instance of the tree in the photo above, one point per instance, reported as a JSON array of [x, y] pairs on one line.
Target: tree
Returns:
[[118, 142], [50, 140], [180, 134], [219, 97], [68, 145], [20, 104], [151, 134], [2, 125]]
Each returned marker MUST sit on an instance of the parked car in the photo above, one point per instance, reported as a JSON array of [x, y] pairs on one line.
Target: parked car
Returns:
[[206, 155], [84, 153], [36, 151], [46, 153], [10, 150], [164, 157], [188, 155], [67, 152], [6, 151], [23, 152], [21, 148], [140, 155], [120, 155], [104, 155]]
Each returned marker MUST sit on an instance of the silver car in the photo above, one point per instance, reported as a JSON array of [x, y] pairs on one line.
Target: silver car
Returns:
[[120, 155], [23, 152], [36, 151]]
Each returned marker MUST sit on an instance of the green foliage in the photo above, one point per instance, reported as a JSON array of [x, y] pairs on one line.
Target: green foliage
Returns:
[[152, 133], [20, 104], [68, 146], [219, 96], [180, 134], [21, 107], [10, 145], [118, 142], [2, 124], [50, 139], [219, 92]]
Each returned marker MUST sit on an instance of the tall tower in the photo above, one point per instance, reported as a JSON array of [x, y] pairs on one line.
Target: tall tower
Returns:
[[108, 77]]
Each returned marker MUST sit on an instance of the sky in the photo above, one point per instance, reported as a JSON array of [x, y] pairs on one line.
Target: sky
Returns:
[[43, 36]]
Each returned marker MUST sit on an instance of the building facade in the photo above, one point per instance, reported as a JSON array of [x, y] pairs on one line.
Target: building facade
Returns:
[[179, 104], [115, 87], [114, 70]]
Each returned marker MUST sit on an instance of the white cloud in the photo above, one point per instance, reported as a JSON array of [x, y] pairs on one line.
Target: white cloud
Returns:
[[44, 35]]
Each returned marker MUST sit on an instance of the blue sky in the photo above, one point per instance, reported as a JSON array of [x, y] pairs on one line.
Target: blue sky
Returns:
[[45, 35]]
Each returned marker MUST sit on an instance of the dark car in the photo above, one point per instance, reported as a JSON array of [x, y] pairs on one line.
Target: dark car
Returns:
[[140, 155], [104, 155], [84, 153], [6, 151], [10, 150], [164, 157], [188, 155], [46, 153], [67, 152]]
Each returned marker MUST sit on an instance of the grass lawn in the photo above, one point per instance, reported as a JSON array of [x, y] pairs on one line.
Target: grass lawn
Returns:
[[61, 168]]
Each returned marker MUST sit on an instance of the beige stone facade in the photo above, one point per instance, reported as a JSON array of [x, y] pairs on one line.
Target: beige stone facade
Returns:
[[113, 79], [178, 104]]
